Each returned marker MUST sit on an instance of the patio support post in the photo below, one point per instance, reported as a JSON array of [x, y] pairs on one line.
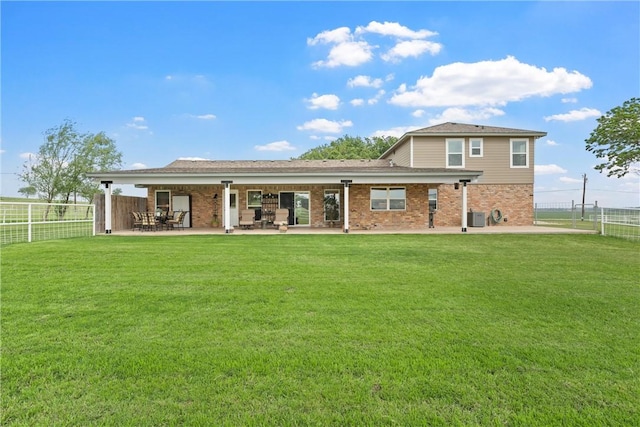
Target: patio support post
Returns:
[[107, 206], [464, 204], [227, 208], [347, 184]]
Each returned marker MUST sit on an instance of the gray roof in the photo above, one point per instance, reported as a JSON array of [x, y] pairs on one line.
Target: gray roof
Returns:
[[463, 128], [284, 171]]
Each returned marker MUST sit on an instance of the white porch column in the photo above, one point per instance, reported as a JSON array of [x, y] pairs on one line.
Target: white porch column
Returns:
[[227, 207], [347, 184], [107, 206], [464, 204]]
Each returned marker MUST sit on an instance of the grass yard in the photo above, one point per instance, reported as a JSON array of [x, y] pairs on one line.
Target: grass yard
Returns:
[[321, 330]]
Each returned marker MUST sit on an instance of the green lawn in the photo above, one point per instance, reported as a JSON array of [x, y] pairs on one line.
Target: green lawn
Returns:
[[321, 330]]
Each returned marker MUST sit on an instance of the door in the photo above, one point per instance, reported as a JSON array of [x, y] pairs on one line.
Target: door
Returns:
[[298, 205], [233, 209], [183, 203]]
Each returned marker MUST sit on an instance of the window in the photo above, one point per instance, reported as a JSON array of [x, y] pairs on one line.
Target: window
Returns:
[[455, 153], [475, 147], [433, 199], [162, 200], [388, 198], [519, 153], [254, 199], [331, 205]]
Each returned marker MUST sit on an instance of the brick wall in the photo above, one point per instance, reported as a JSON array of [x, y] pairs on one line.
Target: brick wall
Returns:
[[514, 201]]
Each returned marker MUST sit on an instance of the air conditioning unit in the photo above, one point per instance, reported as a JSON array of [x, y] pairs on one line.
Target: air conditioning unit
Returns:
[[475, 219]]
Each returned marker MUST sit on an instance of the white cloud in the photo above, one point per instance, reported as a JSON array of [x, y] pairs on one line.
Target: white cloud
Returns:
[[567, 180], [275, 146], [411, 48], [455, 114], [350, 54], [339, 35], [357, 102], [138, 122], [488, 83], [28, 156], [138, 166], [206, 117], [325, 126], [396, 131], [364, 81], [551, 169], [329, 102], [551, 142], [2, 151], [352, 49], [192, 158], [569, 100], [575, 115], [376, 98], [394, 29], [418, 113]]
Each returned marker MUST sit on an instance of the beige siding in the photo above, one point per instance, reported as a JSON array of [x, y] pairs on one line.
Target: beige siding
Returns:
[[401, 156], [430, 152]]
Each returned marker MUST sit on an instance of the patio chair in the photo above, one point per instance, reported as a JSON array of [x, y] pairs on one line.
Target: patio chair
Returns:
[[149, 221], [177, 220], [137, 220], [282, 216], [247, 218]]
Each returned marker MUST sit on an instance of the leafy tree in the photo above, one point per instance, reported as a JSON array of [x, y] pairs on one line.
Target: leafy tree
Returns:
[[28, 191], [60, 167], [350, 147], [617, 139]]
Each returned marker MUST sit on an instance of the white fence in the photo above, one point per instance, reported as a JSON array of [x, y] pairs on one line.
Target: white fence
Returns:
[[30, 222], [623, 223]]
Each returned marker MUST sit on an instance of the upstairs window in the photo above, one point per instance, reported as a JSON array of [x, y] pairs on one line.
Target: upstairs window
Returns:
[[519, 153], [475, 147], [455, 153]]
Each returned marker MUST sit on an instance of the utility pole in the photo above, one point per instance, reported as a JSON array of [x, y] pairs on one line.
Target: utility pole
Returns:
[[584, 190]]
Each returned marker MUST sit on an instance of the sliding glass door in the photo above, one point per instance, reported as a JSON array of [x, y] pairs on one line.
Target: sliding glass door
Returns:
[[298, 204]]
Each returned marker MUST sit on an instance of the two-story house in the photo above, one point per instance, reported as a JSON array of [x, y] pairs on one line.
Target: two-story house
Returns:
[[431, 177]]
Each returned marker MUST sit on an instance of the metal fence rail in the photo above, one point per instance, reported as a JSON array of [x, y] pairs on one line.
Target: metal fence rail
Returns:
[[29, 222], [617, 222], [623, 223]]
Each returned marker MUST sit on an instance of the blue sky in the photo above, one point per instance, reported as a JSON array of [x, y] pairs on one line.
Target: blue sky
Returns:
[[270, 80]]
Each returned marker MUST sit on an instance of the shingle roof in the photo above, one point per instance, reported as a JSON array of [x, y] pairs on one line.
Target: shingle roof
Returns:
[[463, 128]]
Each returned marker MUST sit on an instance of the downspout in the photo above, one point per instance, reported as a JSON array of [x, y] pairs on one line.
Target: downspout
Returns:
[[107, 206], [346, 183], [227, 207]]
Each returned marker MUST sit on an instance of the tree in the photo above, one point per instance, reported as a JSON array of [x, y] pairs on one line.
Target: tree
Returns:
[[60, 167], [28, 191], [617, 139], [349, 147]]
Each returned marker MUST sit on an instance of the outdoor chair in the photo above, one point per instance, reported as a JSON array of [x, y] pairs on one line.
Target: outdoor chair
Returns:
[[137, 220], [247, 218], [177, 220], [149, 221], [282, 216]]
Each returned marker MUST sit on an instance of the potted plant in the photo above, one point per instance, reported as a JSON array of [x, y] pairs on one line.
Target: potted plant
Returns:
[[283, 226]]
